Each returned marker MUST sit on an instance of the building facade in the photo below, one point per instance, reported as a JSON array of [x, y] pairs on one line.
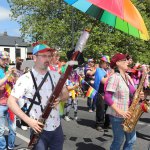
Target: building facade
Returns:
[[16, 47]]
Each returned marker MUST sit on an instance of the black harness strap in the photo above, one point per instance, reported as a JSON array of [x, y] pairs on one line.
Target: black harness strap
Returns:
[[51, 81], [37, 94]]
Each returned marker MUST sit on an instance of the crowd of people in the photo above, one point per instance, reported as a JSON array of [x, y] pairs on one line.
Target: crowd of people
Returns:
[[25, 93]]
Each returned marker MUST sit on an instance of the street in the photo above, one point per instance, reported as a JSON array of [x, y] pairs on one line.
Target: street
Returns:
[[82, 135]]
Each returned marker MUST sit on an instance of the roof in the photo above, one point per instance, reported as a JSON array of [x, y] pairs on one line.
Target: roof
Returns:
[[6, 40], [29, 49]]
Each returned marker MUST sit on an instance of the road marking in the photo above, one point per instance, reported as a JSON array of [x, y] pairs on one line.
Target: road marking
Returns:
[[27, 140], [143, 123]]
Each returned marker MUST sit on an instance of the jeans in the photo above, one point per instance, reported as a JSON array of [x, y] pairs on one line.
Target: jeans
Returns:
[[90, 104], [11, 126], [69, 105], [118, 135], [52, 139]]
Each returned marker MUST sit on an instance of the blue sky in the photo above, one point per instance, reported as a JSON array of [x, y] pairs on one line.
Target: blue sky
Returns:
[[6, 24]]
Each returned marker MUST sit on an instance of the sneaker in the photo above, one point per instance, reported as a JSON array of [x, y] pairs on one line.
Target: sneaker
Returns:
[[24, 128], [94, 110], [76, 118], [99, 128], [9, 148], [107, 126], [90, 110], [67, 118]]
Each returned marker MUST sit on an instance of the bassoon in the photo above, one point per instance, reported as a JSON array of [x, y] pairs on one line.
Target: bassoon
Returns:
[[58, 88]]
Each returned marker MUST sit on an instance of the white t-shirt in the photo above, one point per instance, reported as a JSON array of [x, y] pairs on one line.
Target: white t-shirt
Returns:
[[25, 87]]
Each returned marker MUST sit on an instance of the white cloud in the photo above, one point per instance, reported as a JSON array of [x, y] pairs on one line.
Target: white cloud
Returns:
[[4, 14]]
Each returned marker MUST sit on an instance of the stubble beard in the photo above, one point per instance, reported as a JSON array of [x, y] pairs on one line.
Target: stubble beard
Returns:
[[45, 66]]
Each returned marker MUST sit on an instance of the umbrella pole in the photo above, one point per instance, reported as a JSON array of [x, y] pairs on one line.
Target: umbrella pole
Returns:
[[85, 35], [95, 21]]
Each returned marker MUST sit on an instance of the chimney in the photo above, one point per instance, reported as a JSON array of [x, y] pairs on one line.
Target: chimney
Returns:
[[5, 33]]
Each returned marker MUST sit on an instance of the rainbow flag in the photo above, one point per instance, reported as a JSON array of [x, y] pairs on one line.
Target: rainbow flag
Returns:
[[81, 80], [8, 87], [91, 92]]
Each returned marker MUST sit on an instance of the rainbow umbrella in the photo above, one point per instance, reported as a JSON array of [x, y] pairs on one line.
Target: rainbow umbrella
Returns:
[[120, 14]]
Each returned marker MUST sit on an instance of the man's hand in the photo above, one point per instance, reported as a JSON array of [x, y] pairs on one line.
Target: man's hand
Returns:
[[75, 86], [56, 102], [10, 71], [35, 125]]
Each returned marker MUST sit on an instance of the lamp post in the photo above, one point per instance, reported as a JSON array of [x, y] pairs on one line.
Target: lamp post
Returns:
[[72, 27], [16, 45]]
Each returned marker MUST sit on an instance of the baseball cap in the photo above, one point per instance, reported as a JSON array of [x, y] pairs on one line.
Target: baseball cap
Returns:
[[90, 60], [115, 58], [4, 54], [41, 48], [105, 58]]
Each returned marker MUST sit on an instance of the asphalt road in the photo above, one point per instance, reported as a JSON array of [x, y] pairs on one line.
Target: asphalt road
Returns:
[[81, 135]]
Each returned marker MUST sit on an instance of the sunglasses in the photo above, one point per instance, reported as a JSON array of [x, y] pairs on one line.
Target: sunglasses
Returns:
[[123, 60]]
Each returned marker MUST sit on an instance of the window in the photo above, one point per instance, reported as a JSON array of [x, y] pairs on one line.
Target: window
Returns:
[[7, 50], [18, 53]]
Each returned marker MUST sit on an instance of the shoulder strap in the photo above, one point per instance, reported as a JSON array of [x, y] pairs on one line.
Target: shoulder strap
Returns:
[[37, 92], [51, 80]]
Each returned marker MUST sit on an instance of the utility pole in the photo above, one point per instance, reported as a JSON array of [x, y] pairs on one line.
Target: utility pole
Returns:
[[72, 27]]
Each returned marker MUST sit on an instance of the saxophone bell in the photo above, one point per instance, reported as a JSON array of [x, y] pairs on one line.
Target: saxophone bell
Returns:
[[145, 106]]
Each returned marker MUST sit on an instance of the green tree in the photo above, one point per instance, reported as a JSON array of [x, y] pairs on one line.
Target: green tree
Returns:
[[61, 25]]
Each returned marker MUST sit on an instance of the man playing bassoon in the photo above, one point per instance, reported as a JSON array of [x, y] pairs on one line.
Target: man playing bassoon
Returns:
[[52, 134]]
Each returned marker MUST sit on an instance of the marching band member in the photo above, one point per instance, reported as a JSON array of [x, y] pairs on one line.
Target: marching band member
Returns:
[[52, 134], [118, 95]]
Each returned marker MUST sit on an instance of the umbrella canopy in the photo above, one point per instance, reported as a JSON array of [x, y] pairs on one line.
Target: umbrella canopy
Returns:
[[120, 14]]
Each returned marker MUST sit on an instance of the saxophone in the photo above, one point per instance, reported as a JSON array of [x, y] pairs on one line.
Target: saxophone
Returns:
[[137, 108]]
